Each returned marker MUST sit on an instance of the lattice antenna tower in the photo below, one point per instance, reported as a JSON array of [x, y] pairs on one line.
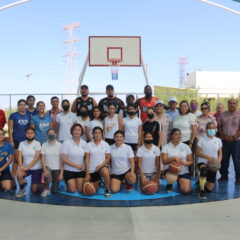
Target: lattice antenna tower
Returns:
[[182, 72], [71, 76]]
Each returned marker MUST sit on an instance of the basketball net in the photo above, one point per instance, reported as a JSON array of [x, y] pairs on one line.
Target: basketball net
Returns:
[[114, 64]]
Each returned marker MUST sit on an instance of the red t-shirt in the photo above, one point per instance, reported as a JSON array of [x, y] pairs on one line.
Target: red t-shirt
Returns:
[[145, 105], [2, 119]]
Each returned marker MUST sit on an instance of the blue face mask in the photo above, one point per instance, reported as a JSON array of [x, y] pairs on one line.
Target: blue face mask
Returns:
[[211, 132]]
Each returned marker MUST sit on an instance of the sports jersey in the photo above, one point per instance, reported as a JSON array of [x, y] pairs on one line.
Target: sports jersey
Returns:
[[148, 158], [120, 156], [28, 152], [75, 153], [87, 103], [110, 126], [97, 154], [20, 123], [2, 119], [119, 104], [144, 105], [5, 150], [41, 124]]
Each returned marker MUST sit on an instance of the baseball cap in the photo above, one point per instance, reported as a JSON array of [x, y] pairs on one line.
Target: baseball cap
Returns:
[[172, 99], [109, 86], [159, 102]]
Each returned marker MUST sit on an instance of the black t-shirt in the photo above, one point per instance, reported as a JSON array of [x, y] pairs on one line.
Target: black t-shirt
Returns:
[[154, 128], [88, 103], [103, 104]]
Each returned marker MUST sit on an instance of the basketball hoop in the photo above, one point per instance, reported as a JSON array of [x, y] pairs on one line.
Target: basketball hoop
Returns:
[[114, 64]]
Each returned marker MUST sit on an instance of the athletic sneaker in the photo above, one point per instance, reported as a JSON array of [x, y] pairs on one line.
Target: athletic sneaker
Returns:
[[128, 187], [14, 184], [107, 193], [21, 193], [45, 193], [169, 187], [201, 195]]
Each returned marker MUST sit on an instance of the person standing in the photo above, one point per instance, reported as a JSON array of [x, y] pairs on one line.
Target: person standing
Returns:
[[219, 110], [229, 130], [2, 119], [17, 124], [104, 103], [30, 102], [53, 112], [172, 110], [84, 100], [146, 102], [41, 123], [194, 108]]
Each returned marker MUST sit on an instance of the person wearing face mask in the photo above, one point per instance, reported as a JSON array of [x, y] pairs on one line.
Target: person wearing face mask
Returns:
[[148, 158], [153, 127], [194, 108], [84, 100], [146, 102], [50, 158], [132, 127], [83, 119], [209, 148], [65, 120], [130, 99], [29, 162]]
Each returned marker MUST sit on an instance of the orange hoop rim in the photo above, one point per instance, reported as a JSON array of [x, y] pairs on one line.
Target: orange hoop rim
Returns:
[[114, 61]]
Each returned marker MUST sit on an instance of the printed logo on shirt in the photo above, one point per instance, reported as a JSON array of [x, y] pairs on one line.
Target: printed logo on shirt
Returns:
[[22, 122], [44, 124]]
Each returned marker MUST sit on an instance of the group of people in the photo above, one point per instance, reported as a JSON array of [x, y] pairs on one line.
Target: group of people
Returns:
[[114, 143]]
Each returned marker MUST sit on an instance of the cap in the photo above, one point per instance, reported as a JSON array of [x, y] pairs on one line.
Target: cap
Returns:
[[109, 87], [84, 86], [172, 99], [159, 102]]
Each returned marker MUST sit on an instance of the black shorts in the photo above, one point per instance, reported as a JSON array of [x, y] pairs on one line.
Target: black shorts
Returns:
[[67, 175], [133, 146], [95, 177], [109, 141], [121, 176], [185, 175], [16, 144], [5, 175], [211, 176]]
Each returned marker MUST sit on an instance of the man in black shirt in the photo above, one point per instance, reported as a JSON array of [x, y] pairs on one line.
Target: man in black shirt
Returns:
[[103, 104], [84, 100]]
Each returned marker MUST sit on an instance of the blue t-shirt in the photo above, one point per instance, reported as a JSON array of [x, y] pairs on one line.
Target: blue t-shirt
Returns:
[[33, 113], [5, 150], [42, 124], [20, 123]]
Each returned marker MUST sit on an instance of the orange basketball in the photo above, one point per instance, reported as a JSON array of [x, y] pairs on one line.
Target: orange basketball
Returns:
[[175, 167], [89, 189], [149, 187]]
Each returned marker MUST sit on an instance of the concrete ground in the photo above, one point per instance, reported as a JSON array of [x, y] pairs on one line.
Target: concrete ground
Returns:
[[214, 220]]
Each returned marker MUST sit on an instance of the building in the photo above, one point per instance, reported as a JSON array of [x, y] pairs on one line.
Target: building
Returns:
[[214, 84]]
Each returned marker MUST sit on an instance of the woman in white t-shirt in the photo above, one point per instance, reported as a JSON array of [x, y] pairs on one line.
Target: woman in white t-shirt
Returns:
[[65, 120], [51, 162], [186, 122], [132, 127], [112, 123], [180, 152], [29, 162], [97, 156], [72, 153], [148, 158], [122, 163], [95, 122], [209, 149]]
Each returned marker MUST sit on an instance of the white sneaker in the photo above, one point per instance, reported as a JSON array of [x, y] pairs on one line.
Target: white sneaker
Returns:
[[21, 193], [45, 193]]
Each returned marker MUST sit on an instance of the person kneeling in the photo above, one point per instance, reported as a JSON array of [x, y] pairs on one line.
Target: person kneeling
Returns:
[[122, 163]]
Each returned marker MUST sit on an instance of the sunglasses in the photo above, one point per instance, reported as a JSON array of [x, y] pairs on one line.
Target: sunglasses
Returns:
[[204, 108]]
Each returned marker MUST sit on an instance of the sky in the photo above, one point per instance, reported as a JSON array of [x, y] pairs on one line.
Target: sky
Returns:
[[31, 41]]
